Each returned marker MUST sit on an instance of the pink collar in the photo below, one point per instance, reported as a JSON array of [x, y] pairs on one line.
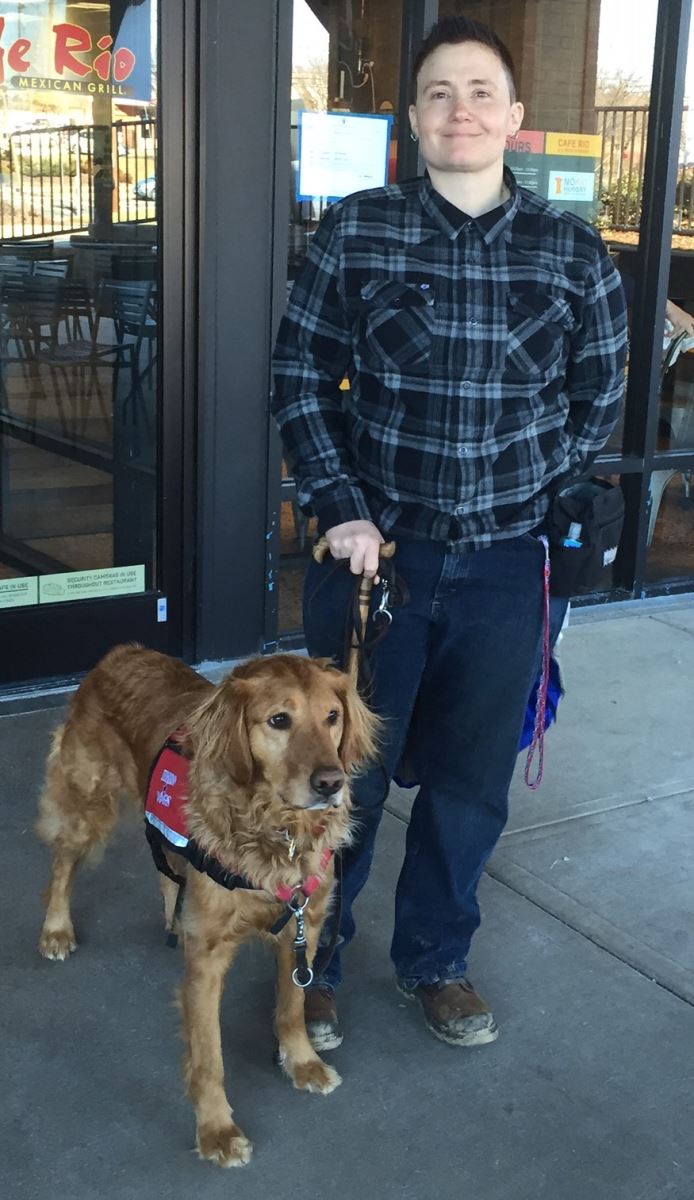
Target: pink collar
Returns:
[[308, 885]]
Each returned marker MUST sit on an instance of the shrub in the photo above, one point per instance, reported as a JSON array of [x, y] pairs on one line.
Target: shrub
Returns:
[[39, 165]]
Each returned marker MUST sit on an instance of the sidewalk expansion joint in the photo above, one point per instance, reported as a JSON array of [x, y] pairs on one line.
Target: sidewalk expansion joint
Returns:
[[640, 958], [657, 968], [607, 804]]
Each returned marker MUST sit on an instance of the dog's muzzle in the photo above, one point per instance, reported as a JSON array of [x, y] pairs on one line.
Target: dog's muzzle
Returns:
[[326, 784]]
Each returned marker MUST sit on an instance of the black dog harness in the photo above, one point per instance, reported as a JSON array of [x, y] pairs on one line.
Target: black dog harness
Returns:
[[166, 828]]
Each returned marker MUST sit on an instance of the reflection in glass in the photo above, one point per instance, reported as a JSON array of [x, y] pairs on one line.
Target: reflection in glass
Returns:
[[296, 538], [670, 553], [78, 288]]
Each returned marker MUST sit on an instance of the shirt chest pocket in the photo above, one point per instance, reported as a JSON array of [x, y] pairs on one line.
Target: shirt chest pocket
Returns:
[[396, 324], [538, 328]]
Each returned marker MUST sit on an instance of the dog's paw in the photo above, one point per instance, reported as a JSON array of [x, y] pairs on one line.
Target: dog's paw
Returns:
[[227, 1147], [57, 944], [314, 1077]]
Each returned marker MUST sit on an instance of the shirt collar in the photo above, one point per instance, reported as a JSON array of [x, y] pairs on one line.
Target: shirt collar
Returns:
[[451, 220]]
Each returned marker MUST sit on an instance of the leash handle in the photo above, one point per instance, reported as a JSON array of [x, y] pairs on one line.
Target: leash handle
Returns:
[[386, 550], [321, 550]]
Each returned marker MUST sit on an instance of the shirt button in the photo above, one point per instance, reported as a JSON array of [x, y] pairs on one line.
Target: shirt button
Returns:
[[461, 448], [472, 321], [467, 385]]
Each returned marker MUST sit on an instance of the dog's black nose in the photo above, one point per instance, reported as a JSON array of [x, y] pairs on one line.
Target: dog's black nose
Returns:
[[325, 781]]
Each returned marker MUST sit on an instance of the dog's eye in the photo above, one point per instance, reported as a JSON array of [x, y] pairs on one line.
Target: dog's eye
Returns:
[[281, 720], [333, 717]]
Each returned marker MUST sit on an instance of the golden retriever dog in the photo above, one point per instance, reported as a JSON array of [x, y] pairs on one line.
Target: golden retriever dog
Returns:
[[270, 751]]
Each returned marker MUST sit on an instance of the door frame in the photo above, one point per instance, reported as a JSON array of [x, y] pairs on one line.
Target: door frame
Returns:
[[55, 643]]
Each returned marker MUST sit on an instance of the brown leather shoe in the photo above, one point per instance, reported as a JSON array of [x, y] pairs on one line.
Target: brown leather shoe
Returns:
[[454, 1012], [320, 1011]]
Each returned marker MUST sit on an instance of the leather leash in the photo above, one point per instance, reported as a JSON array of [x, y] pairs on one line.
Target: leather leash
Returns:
[[320, 551]]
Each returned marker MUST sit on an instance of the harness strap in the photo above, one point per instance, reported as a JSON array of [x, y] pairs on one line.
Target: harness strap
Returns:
[[160, 859]]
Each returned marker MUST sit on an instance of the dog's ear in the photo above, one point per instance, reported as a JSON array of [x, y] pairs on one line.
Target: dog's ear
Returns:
[[360, 728], [218, 731]]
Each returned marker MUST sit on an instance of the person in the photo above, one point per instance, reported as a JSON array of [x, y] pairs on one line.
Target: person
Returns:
[[482, 332], [678, 320]]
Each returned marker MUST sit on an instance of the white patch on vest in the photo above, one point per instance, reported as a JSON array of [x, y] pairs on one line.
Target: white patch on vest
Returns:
[[169, 777], [163, 798], [609, 556], [176, 839]]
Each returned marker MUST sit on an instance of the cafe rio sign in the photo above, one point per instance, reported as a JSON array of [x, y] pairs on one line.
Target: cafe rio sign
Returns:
[[66, 57]]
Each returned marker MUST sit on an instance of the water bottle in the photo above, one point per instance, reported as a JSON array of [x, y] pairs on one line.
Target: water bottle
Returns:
[[573, 539]]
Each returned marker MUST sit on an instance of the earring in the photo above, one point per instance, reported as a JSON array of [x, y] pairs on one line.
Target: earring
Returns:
[[413, 136]]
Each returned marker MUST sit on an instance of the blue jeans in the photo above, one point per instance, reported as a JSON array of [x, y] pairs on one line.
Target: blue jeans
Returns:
[[455, 670]]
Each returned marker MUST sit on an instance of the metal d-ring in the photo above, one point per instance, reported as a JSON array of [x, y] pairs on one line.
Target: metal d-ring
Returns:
[[297, 981]]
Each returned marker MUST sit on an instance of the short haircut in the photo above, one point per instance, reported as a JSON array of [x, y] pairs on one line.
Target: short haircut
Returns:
[[452, 31]]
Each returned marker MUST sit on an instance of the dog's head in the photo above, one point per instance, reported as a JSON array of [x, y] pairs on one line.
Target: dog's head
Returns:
[[291, 725]]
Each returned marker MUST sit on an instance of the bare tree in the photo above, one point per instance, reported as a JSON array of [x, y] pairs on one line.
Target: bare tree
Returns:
[[620, 89], [310, 84]]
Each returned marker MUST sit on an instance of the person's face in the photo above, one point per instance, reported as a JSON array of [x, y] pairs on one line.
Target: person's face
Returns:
[[463, 112]]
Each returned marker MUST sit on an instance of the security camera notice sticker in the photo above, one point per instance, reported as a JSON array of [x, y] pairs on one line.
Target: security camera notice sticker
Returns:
[[17, 592], [91, 585]]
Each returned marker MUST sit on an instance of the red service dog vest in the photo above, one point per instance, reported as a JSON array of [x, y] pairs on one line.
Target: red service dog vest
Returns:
[[167, 793]]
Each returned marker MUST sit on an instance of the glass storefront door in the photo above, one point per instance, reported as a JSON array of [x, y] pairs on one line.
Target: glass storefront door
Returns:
[[80, 288]]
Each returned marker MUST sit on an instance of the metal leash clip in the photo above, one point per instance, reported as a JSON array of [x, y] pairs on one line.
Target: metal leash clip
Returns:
[[383, 613], [302, 975]]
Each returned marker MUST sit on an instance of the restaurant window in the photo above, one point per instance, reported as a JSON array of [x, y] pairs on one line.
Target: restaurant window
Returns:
[[79, 288], [346, 66]]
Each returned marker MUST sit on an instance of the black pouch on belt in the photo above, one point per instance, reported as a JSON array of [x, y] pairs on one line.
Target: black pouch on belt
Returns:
[[584, 525]]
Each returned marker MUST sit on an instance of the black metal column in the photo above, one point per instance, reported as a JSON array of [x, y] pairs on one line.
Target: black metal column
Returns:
[[653, 267], [237, 120], [280, 249]]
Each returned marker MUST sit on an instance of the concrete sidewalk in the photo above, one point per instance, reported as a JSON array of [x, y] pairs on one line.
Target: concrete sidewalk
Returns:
[[586, 954]]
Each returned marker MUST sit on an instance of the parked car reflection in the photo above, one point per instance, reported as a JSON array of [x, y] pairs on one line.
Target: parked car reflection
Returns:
[[146, 189]]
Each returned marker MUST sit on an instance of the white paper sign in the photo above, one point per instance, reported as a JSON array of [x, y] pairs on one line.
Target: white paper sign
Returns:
[[341, 153]]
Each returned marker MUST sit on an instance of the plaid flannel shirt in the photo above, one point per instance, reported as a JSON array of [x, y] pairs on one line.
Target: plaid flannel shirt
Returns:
[[485, 359]]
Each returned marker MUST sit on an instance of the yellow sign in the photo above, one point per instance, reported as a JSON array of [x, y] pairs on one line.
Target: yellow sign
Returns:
[[582, 144], [16, 592], [91, 585]]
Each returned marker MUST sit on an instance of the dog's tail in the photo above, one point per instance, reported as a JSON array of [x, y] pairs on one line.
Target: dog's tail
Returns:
[[78, 806], [49, 822]]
